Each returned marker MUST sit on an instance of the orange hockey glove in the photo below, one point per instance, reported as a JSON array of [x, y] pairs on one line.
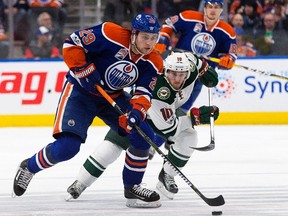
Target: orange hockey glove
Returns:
[[163, 43], [226, 62]]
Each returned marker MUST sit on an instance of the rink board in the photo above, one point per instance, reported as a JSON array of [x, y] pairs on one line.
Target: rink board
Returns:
[[29, 91]]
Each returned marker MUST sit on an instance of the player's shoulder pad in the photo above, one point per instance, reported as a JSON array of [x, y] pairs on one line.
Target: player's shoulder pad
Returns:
[[226, 28], [155, 58], [116, 33], [192, 15]]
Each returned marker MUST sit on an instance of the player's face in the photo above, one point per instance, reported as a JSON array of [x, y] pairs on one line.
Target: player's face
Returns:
[[213, 11], [176, 78], [145, 42]]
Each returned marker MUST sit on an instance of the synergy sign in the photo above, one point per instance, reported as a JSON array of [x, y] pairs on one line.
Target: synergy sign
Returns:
[[240, 90]]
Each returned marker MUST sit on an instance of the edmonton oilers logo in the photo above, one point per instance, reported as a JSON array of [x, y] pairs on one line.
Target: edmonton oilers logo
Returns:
[[121, 74], [203, 44]]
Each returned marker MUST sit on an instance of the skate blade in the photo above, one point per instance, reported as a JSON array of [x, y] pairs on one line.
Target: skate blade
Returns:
[[163, 191], [13, 195], [68, 198], [136, 203]]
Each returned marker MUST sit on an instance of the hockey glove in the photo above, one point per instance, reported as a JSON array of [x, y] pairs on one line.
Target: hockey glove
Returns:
[[88, 77], [163, 43], [202, 115], [210, 78], [226, 62], [134, 116]]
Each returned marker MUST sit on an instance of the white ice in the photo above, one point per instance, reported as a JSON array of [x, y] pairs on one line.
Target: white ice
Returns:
[[249, 167]]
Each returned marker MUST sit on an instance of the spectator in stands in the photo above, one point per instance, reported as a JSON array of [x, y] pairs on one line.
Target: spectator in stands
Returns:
[[4, 46], [237, 21], [277, 7], [121, 11], [45, 19], [271, 40], [21, 18], [238, 6], [56, 9], [252, 19], [42, 46], [244, 47], [167, 8]]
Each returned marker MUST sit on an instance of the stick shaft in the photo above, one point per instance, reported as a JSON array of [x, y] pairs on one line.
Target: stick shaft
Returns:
[[218, 201]]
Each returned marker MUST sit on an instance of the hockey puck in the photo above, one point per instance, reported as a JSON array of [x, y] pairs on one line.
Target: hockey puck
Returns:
[[217, 213]]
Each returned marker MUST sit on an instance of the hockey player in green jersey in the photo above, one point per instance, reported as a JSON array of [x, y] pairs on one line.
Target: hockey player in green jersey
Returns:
[[173, 88]]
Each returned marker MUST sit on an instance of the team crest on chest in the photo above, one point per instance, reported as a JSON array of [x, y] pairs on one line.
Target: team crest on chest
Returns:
[[121, 74], [203, 43], [163, 93]]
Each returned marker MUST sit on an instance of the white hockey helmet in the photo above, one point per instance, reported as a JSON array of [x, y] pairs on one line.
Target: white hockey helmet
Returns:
[[177, 61]]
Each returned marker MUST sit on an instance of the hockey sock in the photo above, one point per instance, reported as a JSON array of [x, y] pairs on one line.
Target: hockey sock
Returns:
[[62, 149], [135, 165]]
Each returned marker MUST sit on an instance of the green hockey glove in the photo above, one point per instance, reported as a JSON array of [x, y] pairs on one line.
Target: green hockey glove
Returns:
[[210, 78], [202, 115]]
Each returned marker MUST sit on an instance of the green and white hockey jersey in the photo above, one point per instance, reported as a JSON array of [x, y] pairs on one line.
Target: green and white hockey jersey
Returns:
[[165, 101]]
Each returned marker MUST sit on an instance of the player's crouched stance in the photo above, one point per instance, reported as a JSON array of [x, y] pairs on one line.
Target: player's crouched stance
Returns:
[[110, 57], [168, 96], [173, 88]]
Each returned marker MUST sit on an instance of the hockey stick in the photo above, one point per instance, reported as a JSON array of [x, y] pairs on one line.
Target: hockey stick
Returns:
[[217, 60], [218, 201], [211, 146]]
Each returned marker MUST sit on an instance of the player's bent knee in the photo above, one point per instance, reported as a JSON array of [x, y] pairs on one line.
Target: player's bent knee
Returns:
[[185, 141], [66, 147], [106, 153]]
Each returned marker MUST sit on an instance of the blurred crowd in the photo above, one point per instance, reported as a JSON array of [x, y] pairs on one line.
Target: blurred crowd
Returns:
[[261, 26], [38, 24]]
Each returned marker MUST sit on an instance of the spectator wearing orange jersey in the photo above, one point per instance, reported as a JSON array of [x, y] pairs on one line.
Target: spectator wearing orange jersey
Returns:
[[46, 3], [244, 47]]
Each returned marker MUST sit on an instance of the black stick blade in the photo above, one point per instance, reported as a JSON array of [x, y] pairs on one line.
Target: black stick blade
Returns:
[[218, 201]]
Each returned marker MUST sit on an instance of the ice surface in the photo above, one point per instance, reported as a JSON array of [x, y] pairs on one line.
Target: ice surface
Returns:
[[249, 167]]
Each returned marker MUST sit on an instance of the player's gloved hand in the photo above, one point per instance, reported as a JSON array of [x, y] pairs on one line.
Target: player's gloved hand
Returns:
[[202, 115], [226, 62], [210, 78], [163, 43], [133, 117], [88, 77], [203, 69]]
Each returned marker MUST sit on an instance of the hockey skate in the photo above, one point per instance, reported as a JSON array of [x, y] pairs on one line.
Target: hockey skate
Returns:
[[139, 197], [167, 185], [75, 190], [22, 179]]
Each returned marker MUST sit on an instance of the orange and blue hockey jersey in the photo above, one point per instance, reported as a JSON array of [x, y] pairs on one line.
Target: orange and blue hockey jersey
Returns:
[[108, 47], [196, 37]]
